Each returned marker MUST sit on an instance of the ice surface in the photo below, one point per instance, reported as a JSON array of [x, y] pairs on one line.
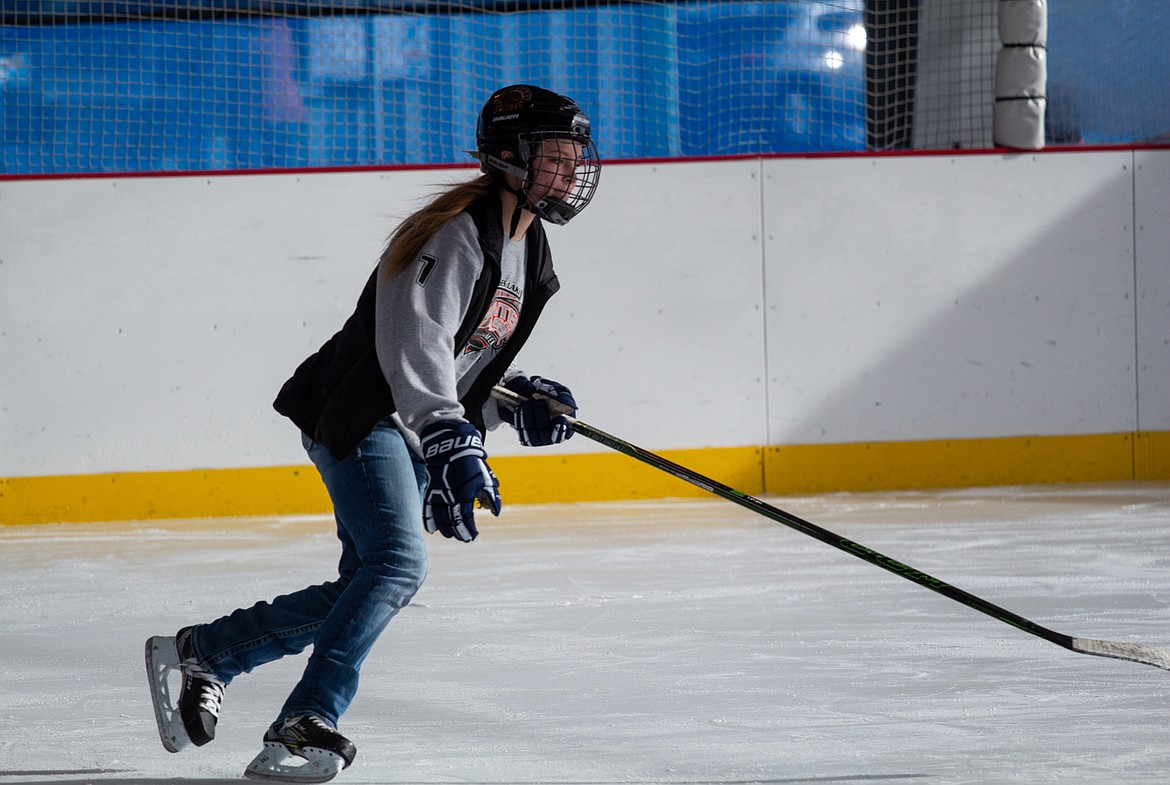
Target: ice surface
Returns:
[[654, 642]]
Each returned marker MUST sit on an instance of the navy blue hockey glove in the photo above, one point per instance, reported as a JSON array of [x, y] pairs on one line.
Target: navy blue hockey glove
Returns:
[[540, 420], [457, 477]]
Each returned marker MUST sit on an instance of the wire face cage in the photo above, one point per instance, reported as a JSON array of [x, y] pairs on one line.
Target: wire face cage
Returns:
[[562, 174]]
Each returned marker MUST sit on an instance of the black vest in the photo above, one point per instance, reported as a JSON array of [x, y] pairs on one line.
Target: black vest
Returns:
[[339, 394]]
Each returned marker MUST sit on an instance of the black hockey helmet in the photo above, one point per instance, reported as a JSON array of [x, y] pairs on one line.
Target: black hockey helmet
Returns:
[[518, 119]]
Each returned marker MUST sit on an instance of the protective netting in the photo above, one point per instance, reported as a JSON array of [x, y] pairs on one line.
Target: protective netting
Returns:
[[253, 84], [954, 97], [1108, 72]]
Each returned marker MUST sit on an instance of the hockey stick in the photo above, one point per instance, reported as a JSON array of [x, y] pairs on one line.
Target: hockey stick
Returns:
[[1135, 652]]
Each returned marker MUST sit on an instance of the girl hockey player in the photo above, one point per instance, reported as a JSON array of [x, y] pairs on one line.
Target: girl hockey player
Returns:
[[392, 410]]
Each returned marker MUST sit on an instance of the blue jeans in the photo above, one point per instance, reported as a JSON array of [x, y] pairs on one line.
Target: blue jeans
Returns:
[[376, 493]]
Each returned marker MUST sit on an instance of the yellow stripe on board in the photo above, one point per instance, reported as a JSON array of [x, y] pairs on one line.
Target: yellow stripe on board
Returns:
[[1151, 455], [297, 490], [279, 490], [550, 476], [609, 476], [823, 468]]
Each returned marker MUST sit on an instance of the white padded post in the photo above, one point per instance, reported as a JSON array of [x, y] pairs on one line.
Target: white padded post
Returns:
[[1021, 74]]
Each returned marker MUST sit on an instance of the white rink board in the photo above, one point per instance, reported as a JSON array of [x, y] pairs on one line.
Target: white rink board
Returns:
[[659, 324], [1152, 189], [156, 325], [157, 317], [148, 322], [959, 297]]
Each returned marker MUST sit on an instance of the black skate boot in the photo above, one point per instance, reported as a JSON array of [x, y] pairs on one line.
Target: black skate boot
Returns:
[[190, 719], [302, 749], [202, 693]]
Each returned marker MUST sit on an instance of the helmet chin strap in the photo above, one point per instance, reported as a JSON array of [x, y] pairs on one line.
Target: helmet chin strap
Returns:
[[504, 167], [521, 200], [521, 203]]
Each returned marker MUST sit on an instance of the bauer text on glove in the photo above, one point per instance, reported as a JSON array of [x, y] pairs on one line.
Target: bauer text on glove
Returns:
[[457, 476]]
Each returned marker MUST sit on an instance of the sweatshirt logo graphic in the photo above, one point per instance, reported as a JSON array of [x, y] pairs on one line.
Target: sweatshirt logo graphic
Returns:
[[500, 320]]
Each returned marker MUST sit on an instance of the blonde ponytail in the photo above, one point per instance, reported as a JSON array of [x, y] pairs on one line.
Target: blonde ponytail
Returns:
[[408, 239]]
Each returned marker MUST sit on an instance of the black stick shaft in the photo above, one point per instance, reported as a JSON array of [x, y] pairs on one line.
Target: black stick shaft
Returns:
[[829, 538], [1134, 652]]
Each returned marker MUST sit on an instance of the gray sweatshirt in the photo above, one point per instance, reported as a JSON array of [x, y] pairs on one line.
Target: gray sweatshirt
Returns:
[[418, 312]]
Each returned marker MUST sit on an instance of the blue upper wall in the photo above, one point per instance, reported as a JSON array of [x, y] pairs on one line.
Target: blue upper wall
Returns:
[[247, 93], [207, 85]]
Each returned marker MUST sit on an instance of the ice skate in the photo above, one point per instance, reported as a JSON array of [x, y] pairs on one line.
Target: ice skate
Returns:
[[191, 719], [301, 749]]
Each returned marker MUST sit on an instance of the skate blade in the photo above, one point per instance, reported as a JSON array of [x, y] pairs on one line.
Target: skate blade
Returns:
[[276, 763], [162, 659]]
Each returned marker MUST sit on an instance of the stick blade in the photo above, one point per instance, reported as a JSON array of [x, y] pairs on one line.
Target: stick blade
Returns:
[[1134, 652]]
